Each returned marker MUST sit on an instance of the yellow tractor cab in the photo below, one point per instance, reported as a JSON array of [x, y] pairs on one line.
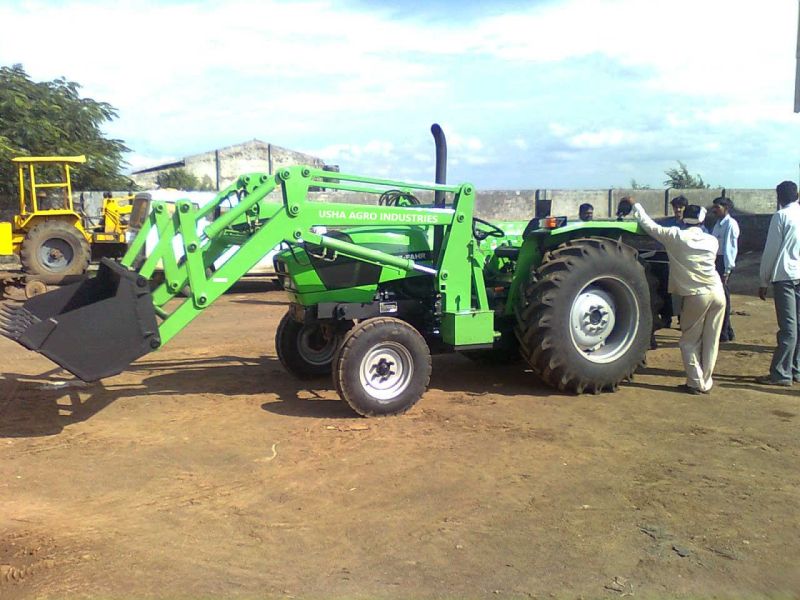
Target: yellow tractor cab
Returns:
[[52, 239]]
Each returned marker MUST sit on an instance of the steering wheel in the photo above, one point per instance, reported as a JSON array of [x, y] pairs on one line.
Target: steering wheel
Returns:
[[397, 198], [482, 234]]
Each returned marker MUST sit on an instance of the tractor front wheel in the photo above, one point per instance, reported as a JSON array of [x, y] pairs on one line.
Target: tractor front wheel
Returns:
[[53, 251], [382, 368], [306, 351], [584, 321]]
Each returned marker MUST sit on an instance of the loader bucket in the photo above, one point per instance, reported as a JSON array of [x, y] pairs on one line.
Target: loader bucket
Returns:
[[94, 328]]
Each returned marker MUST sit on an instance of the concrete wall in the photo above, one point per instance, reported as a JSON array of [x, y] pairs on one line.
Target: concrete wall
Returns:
[[567, 202], [753, 201], [490, 204], [753, 207], [652, 200]]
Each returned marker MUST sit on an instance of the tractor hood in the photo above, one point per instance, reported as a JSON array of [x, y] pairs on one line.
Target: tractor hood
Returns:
[[309, 272]]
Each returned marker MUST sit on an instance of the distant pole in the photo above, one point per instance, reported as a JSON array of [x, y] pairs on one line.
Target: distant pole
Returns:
[[797, 66]]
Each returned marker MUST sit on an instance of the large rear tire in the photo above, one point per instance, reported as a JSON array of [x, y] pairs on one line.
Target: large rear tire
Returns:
[[584, 320], [382, 368], [53, 251], [305, 350]]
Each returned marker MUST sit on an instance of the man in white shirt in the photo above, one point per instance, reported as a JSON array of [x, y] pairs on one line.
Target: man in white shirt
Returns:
[[726, 230], [780, 265], [693, 276]]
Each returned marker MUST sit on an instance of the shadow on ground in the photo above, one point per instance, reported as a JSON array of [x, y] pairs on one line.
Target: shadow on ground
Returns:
[[41, 405]]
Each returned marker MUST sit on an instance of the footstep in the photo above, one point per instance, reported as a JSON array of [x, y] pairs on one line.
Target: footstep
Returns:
[[681, 551], [729, 554], [620, 584]]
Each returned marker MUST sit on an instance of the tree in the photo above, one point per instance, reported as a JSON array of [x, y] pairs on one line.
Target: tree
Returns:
[[181, 179], [680, 178], [635, 185], [51, 118]]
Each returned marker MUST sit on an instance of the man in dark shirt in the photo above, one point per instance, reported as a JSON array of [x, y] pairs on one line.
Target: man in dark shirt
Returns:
[[679, 204], [586, 212]]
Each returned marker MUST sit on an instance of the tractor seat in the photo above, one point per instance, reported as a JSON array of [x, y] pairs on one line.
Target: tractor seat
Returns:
[[510, 252]]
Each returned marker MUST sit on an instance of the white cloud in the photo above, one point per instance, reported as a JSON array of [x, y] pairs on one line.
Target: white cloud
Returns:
[[138, 161], [700, 43], [602, 139], [318, 74], [520, 143], [355, 152], [463, 143], [594, 139]]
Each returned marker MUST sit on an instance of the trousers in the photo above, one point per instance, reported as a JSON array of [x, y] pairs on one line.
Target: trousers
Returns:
[[701, 322], [727, 329], [786, 359]]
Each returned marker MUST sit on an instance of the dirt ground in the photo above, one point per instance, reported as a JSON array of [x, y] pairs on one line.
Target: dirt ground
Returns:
[[206, 470]]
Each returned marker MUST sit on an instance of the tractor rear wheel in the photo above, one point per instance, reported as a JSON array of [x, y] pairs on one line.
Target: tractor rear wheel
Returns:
[[53, 251], [306, 351], [584, 320], [382, 368]]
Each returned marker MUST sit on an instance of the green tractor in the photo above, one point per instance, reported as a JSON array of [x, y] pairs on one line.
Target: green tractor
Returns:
[[374, 290]]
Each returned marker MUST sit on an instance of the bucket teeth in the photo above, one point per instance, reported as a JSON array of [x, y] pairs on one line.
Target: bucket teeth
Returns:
[[15, 320]]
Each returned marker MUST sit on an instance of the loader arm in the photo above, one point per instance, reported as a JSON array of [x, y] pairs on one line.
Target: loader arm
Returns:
[[92, 345]]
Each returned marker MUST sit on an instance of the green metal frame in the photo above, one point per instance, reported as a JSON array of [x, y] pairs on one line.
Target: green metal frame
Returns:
[[256, 224]]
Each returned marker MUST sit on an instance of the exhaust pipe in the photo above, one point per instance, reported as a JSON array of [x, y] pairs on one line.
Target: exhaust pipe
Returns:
[[441, 178], [94, 328], [441, 163]]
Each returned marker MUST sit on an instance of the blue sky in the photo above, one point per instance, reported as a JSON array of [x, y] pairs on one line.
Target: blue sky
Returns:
[[550, 93]]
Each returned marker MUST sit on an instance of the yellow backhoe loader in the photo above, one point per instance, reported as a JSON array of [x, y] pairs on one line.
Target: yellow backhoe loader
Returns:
[[53, 241]]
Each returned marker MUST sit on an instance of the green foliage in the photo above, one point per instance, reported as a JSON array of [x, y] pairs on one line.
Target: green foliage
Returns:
[[680, 178], [181, 179], [635, 185], [51, 118], [207, 185]]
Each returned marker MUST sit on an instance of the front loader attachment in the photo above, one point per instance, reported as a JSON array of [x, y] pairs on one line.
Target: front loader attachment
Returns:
[[94, 328]]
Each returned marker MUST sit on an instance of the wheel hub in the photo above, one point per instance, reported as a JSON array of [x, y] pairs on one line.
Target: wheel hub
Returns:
[[592, 319], [604, 319], [386, 370], [56, 254], [315, 345]]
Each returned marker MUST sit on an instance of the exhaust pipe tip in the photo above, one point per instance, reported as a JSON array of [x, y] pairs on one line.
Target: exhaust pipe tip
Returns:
[[441, 162]]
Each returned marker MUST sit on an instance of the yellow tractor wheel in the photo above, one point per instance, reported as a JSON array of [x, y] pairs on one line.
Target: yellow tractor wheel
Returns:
[[53, 251]]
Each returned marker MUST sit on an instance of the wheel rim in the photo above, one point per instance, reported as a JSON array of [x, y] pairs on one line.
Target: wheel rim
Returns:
[[604, 319], [56, 254], [314, 347], [386, 371]]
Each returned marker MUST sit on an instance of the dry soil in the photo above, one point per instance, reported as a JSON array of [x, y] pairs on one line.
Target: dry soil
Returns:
[[206, 470]]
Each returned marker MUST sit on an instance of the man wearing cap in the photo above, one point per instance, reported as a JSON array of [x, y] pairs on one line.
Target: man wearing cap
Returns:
[[780, 266], [693, 276], [726, 230]]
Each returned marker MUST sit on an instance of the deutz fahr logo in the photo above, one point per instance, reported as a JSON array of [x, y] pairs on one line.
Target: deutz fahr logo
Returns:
[[416, 255]]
